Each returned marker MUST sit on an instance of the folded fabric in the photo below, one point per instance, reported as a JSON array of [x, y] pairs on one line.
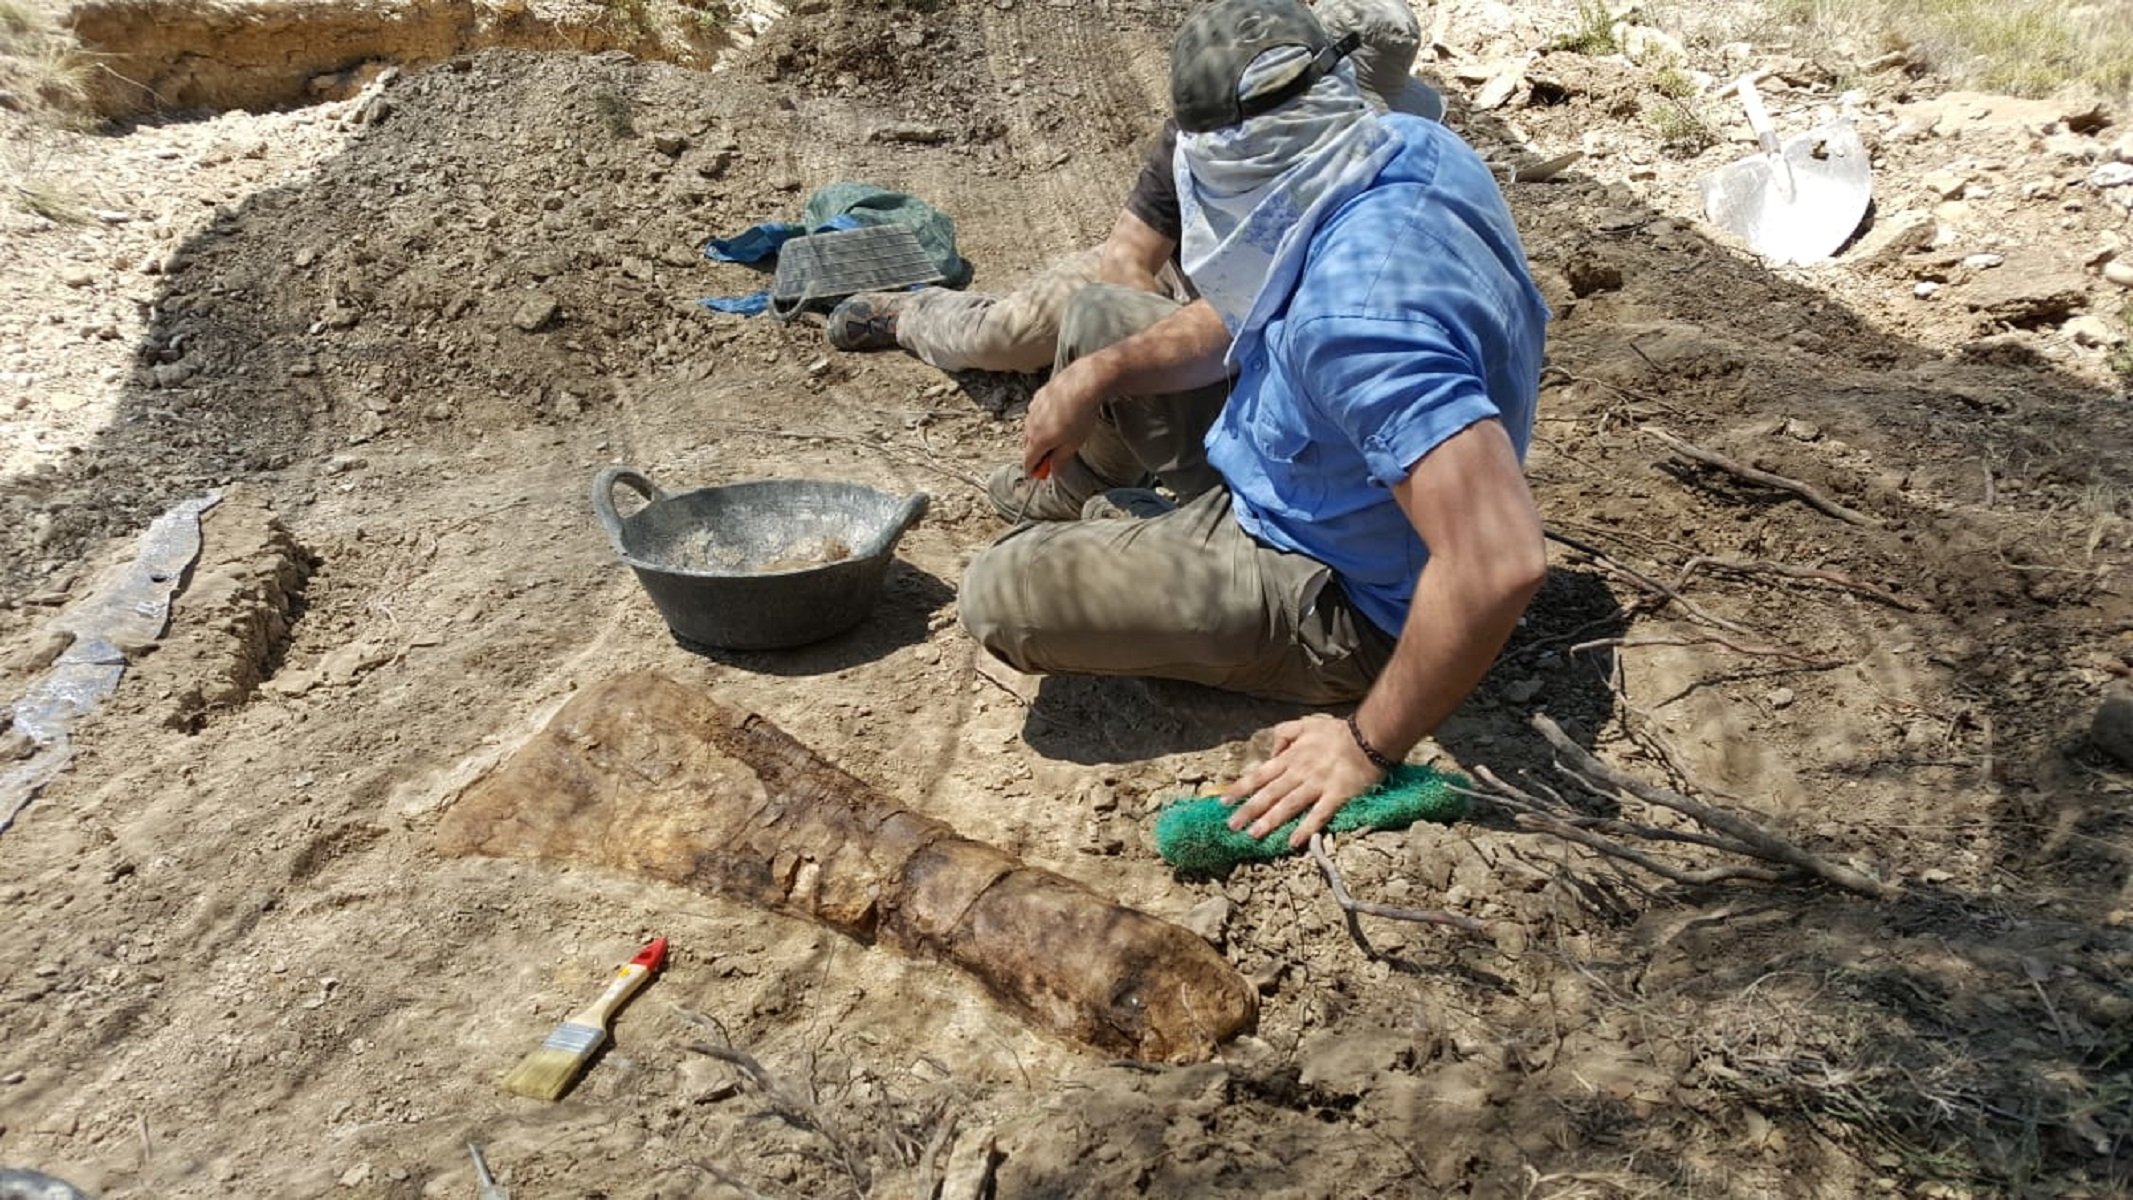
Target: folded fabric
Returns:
[[758, 242], [865, 204], [839, 206], [740, 306]]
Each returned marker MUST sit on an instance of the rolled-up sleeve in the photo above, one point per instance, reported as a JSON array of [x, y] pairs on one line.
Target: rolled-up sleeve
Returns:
[[1396, 387]]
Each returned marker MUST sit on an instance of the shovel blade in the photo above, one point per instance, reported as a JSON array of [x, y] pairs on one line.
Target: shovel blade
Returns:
[[1799, 204]]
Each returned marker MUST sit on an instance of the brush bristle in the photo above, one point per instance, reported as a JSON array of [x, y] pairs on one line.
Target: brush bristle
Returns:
[[547, 1073]]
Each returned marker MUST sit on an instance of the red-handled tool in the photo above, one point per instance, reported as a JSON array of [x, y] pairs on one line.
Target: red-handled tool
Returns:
[[1042, 473]]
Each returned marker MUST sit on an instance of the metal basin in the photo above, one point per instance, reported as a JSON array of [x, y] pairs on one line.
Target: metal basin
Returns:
[[760, 565]]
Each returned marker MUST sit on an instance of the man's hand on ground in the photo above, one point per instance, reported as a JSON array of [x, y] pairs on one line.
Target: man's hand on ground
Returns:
[[1316, 768], [1062, 415]]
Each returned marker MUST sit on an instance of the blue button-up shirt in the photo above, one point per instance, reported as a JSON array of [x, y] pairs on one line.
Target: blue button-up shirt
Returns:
[[1413, 319]]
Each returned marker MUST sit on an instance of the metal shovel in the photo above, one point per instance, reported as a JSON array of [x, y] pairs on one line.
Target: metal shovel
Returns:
[[1796, 203]]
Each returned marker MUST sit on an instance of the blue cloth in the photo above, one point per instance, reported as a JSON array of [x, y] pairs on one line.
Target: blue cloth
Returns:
[[1414, 318], [749, 305], [753, 245], [758, 242]]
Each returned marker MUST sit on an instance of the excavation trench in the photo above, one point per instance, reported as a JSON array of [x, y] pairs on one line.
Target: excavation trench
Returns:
[[191, 55]]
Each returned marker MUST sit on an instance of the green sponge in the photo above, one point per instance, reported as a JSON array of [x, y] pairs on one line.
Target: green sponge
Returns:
[[1193, 834]]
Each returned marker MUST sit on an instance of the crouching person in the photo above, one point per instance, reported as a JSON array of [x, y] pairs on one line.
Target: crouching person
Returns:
[[1343, 415]]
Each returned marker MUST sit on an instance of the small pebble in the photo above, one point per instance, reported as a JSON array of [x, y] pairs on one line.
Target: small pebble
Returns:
[[1781, 697]]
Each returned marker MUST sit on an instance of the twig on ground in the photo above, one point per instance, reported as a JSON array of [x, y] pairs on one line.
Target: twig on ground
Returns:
[[930, 1162], [1618, 619], [1709, 639], [1647, 731], [1628, 393], [787, 1105], [997, 682], [1761, 842], [1712, 458], [728, 1178], [1530, 813], [1646, 582], [1763, 567], [1619, 826], [1624, 535], [1350, 905], [1553, 806]]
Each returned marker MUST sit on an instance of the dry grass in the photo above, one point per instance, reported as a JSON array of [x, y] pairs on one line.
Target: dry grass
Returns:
[[2027, 47], [44, 78], [1681, 128], [1594, 33], [41, 69], [47, 198]]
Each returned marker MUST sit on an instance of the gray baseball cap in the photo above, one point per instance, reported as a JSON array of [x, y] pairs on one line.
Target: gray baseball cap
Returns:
[[1221, 39]]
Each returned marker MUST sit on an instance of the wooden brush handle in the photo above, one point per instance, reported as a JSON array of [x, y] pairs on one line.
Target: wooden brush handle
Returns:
[[627, 980]]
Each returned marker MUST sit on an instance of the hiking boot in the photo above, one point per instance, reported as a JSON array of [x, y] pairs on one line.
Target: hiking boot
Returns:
[[1126, 504], [866, 321], [1017, 497]]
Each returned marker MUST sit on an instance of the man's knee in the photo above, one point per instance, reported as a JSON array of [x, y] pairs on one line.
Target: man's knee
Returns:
[[1101, 314], [985, 605]]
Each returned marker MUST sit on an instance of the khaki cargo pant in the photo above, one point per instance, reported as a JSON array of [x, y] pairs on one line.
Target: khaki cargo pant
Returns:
[[1186, 595], [1018, 331]]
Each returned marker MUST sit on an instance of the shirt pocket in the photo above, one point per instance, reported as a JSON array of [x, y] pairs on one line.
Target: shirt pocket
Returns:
[[1294, 463]]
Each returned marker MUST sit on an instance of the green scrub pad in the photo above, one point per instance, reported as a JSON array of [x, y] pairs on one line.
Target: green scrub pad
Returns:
[[1194, 836]]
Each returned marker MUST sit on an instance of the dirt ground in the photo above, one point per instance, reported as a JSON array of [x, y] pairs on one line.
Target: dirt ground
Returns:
[[401, 331]]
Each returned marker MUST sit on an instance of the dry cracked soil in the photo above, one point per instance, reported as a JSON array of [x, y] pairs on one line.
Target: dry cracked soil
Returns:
[[400, 328]]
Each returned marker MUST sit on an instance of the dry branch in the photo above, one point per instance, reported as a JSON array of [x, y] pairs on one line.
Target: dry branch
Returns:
[[1623, 827], [1533, 814], [1646, 582], [1349, 904], [1760, 842], [1764, 567], [1712, 458], [642, 774], [1710, 639], [790, 1106]]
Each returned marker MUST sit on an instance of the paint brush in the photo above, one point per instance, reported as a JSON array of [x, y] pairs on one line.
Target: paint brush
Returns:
[[546, 1073]]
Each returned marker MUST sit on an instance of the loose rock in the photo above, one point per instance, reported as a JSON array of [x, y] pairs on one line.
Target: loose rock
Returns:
[[1348, 1061], [535, 312], [2027, 298], [1589, 273], [1210, 918], [2093, 331]]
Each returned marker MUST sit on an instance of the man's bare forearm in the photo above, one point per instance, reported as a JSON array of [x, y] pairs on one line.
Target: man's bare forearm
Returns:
[[1463, 614], [1182, 351], [1469, 502]]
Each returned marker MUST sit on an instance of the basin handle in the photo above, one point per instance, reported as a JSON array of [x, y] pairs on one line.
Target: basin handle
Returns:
[[603, 496], [906, 517]]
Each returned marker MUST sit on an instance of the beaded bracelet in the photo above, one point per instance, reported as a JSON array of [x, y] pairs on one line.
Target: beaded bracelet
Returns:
[[1370, 752]]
